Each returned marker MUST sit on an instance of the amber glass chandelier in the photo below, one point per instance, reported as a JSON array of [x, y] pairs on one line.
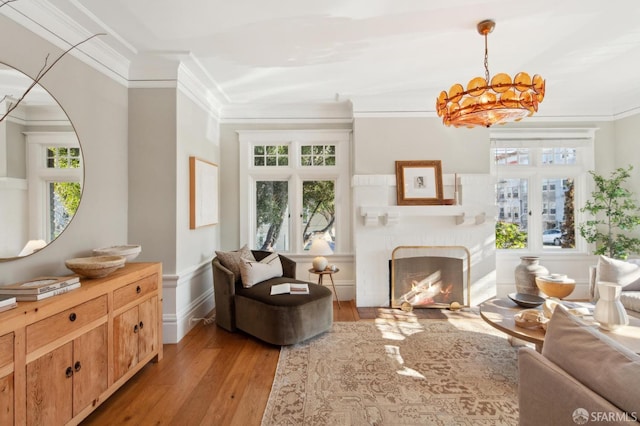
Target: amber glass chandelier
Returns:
[[486, 101]]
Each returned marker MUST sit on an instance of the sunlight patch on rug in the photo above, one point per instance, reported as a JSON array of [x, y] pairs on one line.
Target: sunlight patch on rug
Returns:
[[397, 371]]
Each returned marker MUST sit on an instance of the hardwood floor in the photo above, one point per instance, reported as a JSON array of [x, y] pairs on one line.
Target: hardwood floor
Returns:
[[211, 377]]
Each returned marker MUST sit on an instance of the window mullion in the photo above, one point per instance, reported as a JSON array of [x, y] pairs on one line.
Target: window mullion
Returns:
[[295, 200], [535, 213]]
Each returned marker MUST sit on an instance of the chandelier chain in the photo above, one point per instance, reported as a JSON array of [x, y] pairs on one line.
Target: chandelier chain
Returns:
[[486, 59]]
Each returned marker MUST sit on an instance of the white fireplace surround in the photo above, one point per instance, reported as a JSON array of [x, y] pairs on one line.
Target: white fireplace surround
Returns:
[[381, 225]]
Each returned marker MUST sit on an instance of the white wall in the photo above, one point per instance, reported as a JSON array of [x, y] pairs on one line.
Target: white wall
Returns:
[[152, 169], [166, 127], [379, 142], [197, 135], [627, 151]]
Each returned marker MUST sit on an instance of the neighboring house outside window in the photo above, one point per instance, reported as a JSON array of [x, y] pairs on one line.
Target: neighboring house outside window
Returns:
[[294, 188], [541, 180]]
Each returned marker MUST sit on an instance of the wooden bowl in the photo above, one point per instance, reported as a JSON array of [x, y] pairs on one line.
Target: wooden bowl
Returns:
[[555, 288], [130, 251], [95, 266]]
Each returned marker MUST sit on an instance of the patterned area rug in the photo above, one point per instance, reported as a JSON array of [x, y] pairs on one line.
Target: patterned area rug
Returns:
[[398, 370]]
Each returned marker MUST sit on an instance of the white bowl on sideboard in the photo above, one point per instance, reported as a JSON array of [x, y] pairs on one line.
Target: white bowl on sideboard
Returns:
[[129, 251]]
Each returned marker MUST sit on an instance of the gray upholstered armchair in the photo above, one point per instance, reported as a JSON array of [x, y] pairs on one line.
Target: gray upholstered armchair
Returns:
[[280, 319]]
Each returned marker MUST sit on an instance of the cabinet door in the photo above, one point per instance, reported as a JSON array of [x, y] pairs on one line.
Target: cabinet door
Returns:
[[49, 387], [125, 341], [148, 324], [6, 381], [6, 399], [89, 367]]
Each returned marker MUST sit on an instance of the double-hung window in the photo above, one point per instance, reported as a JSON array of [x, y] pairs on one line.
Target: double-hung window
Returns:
[[541, 180], [294, 188]]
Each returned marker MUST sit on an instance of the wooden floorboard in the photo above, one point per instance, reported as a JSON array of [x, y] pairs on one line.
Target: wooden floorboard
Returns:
[[211, 377]]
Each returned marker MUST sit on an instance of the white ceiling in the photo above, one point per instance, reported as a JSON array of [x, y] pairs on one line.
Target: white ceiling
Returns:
[[385, 56]]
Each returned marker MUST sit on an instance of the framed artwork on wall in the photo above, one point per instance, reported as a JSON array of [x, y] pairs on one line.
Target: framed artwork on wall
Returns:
[[419, 182], [203, 193]]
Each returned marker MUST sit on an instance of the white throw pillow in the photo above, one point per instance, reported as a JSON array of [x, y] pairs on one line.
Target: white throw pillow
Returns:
[[625, 273], [254, 272]]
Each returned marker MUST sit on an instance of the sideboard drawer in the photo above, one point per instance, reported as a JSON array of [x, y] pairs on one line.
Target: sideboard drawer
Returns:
[[65, 322], [134, 291]]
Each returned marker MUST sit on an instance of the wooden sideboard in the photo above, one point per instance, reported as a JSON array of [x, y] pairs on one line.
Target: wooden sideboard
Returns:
[[63, 356]]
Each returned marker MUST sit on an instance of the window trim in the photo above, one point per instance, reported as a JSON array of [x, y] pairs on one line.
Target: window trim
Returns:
[[536, 139], [295, 174]]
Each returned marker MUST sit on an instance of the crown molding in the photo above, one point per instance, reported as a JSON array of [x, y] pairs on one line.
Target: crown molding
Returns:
[[48, 22], [311, 112], [195, 90]]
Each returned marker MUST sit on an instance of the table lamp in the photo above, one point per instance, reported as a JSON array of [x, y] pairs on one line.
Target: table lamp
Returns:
[[320, 248]]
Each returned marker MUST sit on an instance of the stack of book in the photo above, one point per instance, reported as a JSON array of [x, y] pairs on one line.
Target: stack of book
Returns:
[[7, 302], [40, 288]]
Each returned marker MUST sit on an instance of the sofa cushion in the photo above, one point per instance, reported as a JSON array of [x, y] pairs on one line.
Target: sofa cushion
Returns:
[[625, 273], [254, 272], [262, 293], [592, 358], [231, 259], [630, 300]]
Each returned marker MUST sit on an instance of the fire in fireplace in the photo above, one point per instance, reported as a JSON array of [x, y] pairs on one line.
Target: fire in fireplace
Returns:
[[430, 276]]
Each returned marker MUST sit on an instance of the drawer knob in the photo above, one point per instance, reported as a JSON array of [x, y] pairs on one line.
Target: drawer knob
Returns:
[[77, 366], [141, 325], [72, 316], [68, 372], [135, 328], [138, 289]]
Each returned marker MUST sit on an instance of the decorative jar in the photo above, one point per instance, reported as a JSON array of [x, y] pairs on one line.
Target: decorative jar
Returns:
[[609, 311], [526, 273]]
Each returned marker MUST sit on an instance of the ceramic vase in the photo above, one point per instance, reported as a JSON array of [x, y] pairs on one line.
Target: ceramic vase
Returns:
[[526, 273], [609, 311]]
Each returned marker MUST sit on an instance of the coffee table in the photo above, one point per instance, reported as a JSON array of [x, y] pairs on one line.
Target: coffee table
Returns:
[[499, 313]]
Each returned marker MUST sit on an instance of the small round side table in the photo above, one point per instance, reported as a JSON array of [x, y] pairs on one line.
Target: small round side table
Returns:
[[320, 280]]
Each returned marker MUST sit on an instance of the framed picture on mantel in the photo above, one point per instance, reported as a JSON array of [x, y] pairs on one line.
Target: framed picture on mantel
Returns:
[[419, 182]]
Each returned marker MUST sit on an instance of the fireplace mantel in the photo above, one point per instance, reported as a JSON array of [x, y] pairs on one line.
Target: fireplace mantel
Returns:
[[391, 215]]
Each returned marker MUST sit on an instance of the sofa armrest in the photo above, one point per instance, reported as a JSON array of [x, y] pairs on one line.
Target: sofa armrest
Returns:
[[288, 267], [547, 395], [224, 291]]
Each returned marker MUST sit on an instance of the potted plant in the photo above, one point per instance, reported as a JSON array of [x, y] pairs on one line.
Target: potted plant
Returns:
[[615, 214]]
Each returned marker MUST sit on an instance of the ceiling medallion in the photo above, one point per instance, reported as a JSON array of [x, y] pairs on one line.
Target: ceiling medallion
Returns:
[[486, 101]]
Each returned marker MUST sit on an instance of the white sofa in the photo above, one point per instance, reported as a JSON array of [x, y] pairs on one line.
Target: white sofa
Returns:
[[623, 272], [581, 377]]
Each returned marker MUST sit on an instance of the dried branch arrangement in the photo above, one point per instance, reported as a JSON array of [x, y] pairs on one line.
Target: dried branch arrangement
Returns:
[[46, 67]]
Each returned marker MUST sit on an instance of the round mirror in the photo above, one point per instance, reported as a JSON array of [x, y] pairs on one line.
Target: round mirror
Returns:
[[41, 166]]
